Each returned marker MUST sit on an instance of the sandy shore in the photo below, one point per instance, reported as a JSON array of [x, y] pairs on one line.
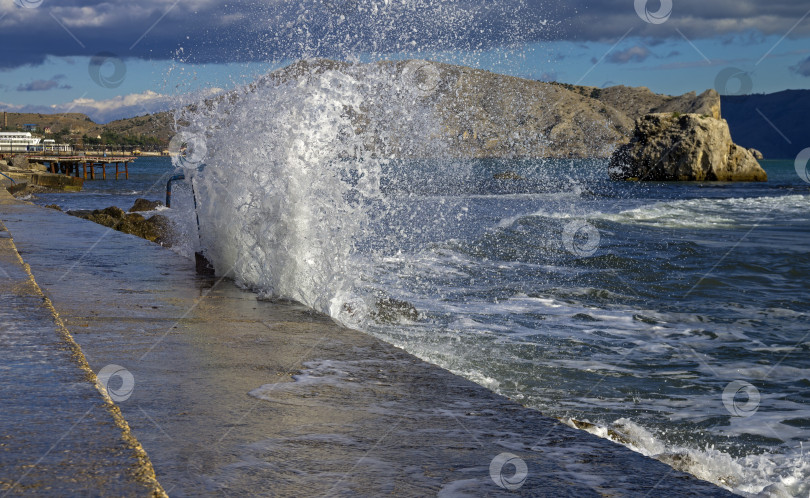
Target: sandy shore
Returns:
[[241, 396]]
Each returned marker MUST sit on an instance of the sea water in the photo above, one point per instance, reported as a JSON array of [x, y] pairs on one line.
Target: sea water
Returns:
[[668, 317], [147, 180], [671, 318]]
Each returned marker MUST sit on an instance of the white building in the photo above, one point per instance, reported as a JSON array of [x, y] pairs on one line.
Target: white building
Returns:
[[17, 141], [50, 145]]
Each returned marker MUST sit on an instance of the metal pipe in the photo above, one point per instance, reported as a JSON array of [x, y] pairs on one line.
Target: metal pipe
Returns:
[[181, 176], [12, 179]]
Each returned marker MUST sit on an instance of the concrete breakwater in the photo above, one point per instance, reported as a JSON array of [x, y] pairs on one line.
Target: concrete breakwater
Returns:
[[60, 434], [235, 394]]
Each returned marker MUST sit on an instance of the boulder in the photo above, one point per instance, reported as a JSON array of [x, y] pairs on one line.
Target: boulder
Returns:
[[683, 147], [757, 154], [162, 228], [112, 211], [155, 229], [144, 205], [20, 161]]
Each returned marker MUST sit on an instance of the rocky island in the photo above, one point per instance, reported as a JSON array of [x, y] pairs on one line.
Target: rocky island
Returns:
[[684, 147]]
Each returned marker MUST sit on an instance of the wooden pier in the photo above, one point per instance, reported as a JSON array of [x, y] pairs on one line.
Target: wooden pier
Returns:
[[70, 165]]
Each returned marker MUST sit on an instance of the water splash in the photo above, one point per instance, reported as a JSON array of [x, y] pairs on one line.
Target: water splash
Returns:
[[293, 164]]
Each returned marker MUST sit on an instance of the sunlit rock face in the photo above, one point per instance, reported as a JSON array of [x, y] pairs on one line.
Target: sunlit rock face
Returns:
[[688, 147]]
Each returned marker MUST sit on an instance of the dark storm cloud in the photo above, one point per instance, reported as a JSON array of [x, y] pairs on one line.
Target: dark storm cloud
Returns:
[[210, 31], [253, 30], [610, 19]]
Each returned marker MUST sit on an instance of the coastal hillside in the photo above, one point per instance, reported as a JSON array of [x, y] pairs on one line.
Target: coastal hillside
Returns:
[[786, 134], [635, 102], [159, 125], [489, 115], [73, 126]]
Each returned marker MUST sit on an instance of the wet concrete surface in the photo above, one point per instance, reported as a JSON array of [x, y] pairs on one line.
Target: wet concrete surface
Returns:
[[58, 434], [233, 395]]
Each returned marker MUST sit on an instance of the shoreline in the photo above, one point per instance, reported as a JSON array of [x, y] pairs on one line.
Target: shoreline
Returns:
[[217, 407]]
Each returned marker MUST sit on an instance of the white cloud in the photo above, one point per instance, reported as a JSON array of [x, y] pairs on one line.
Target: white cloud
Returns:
[[119, 107]]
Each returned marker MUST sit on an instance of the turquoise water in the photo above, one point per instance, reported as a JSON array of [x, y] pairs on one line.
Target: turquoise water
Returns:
[[671, 316]]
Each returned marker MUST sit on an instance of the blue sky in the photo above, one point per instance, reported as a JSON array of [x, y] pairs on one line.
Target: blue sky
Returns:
[[113, 59]]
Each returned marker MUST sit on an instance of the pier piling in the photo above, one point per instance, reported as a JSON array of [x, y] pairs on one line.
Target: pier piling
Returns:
[[69, 165]]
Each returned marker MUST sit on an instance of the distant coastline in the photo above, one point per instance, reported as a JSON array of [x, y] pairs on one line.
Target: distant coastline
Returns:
[[551, 119]]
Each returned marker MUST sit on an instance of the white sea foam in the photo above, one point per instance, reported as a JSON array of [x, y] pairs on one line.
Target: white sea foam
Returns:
[[703, 213], [753, 475], [714, 213]]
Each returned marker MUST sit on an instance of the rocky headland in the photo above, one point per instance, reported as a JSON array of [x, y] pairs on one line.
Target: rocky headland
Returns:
[[488, 115], [684, 147], [775, 123]]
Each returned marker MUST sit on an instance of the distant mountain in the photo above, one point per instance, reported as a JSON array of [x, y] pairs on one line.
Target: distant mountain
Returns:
[[788, 131]]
